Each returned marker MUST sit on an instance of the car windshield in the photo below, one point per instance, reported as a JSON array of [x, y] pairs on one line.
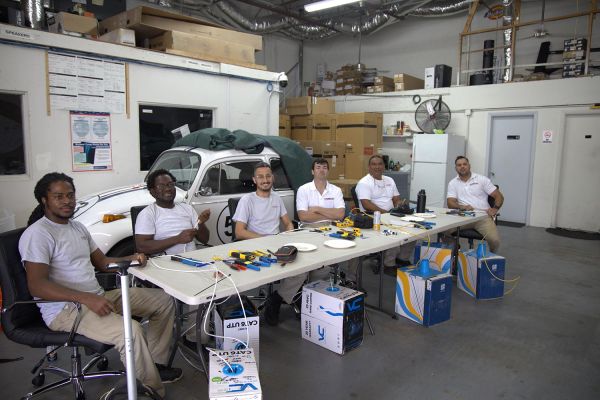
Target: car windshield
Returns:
[[183, 165]]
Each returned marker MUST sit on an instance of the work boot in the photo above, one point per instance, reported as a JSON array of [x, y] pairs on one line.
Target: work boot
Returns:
[[169, 374], [272, 305]]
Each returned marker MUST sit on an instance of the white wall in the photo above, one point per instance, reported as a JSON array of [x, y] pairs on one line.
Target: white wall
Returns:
[[551, 100], [237, 103], [413, 44]]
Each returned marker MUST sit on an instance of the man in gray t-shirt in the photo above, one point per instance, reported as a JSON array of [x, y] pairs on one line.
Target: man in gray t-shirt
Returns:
[[60, 258], [260, 214]]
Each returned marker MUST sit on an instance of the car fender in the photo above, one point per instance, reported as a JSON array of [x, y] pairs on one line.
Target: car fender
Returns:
[[108, 235]]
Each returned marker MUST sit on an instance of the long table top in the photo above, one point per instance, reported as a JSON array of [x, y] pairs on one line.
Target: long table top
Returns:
[[193, 285]]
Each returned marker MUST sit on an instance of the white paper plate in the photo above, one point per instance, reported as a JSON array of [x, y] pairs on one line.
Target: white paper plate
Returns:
[[339, 244], [410, 218], [424, 215], [303, 246]]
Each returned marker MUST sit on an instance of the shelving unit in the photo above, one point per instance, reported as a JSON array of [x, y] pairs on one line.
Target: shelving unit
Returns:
[[465, 35]]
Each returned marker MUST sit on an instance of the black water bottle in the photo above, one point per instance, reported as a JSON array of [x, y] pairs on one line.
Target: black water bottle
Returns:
[[421, 199]]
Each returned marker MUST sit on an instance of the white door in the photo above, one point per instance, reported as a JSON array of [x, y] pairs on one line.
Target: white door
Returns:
[[510, 162], [578, 205], [432, 178]]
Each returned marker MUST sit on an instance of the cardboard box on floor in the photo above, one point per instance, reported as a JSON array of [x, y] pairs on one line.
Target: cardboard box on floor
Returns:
[[324, 126], [285, 126], [345, 185], [150, 22], [70, 23], [306, 105], [362, 135], [301, 127], [356, 161]]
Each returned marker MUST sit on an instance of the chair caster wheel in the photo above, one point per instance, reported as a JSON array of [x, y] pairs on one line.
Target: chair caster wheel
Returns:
[[102, 365], [38, 380]]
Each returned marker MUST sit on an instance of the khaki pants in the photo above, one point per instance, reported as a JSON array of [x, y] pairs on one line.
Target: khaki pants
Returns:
[[403, 252], [153, 304], [488, 230], [288, 287]]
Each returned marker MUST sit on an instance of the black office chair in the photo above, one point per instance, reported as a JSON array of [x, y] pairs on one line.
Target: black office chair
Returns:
[[23, 324], [134, 212], [232, 204], [471, 234]]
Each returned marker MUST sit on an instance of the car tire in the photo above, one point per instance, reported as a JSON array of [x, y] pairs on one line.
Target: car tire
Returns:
[[124, 248]]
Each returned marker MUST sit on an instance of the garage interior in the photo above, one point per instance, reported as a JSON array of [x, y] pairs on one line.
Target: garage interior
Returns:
[[512, 78]]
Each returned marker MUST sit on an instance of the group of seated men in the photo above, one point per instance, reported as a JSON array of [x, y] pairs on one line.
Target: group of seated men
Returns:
[[60, 256]]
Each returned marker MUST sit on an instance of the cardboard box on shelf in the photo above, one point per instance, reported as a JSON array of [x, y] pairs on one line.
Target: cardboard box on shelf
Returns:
[[323, 126], [360, 129], [204, 47], [333, 152], [384, 81], [285, 126], [408, 82], [149, 22], [119, 36], [379, 89], [322, 106], [356, 161], [73, 24], [298, 105], [306, 105]]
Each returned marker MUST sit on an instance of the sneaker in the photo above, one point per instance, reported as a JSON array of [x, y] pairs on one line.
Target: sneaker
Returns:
[[272, 305], [169, 374]]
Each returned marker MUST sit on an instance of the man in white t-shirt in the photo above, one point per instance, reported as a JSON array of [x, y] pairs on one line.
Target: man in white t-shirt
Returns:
[[260, 214], [319, 202], [377, 192], [59, 256], [165, 226], [469, 191]]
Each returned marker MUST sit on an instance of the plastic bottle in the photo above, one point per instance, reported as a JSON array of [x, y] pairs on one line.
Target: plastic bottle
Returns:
[[421, 199]]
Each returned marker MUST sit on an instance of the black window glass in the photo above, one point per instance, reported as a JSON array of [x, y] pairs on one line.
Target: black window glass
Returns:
[[12, 150]]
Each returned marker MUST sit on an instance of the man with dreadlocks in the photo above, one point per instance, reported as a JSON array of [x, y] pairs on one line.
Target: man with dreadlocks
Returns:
[[59, 256]]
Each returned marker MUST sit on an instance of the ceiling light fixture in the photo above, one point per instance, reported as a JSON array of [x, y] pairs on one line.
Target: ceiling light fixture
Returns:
[[324, 4]]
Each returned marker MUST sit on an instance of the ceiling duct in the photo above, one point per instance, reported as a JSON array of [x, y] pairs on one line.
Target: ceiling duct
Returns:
[[296, 26], [507, 36]]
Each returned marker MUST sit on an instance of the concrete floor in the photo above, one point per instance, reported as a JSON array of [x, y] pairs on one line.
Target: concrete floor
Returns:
[[540, 341]]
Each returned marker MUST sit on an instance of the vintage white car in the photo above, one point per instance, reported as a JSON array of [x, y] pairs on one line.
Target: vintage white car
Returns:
[[205, 179]]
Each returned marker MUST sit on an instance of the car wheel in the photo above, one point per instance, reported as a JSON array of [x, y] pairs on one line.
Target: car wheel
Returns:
[[122, 249]]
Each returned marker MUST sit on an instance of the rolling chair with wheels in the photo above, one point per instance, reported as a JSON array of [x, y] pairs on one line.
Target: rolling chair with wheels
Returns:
[[23, 324], [472, 234]]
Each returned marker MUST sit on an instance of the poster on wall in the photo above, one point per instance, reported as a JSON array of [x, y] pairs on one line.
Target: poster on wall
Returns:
[[85, 83], [90, 141]]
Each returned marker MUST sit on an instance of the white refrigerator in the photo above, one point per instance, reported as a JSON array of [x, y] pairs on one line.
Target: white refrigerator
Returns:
[[433, 165]]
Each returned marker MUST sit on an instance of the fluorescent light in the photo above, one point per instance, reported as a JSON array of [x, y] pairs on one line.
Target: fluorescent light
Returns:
[[324, 4]]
